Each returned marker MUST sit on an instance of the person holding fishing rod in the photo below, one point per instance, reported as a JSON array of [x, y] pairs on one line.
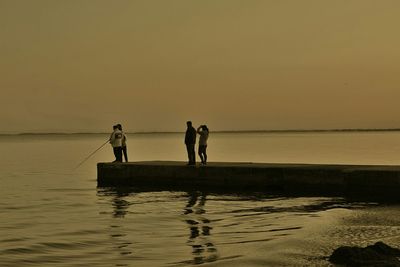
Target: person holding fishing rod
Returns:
[[116, 142]]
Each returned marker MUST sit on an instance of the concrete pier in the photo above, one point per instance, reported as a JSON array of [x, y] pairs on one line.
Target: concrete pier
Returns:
[[312, 178]]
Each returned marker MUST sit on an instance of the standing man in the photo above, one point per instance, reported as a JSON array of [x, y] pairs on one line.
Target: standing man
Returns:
[[116, 143], [190, 142], [124, 148]]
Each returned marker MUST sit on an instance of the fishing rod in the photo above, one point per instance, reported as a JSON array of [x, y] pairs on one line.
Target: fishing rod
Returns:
[[94, 152]]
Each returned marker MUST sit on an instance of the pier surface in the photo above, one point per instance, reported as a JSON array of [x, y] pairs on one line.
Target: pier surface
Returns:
[[317, 178]]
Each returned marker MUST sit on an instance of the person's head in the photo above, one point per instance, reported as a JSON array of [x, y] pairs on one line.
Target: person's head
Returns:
[[119, 126], [204, 128], [189, 124], [115, 127]]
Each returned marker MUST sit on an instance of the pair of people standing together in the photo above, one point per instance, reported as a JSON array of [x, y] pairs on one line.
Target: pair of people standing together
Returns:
[[118, 142], [190, 142]]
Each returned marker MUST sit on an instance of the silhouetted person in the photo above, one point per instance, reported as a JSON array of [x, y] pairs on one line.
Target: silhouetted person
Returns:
[[124, 147], [203, 132], [116, 143], [190, 142]]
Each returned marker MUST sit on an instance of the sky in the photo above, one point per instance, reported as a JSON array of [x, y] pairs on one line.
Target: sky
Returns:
[[151, 65]]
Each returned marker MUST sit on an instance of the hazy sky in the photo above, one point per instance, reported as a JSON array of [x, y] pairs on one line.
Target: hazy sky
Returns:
[[84, 65]]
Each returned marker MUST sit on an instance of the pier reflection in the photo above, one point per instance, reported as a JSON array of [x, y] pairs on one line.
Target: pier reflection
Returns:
[[203, 250]]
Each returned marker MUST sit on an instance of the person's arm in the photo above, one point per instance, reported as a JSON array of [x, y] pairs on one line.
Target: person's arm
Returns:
[[194, 134], [198, 129]]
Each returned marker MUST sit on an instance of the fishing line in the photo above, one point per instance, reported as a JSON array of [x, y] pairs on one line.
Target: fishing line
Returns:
[[94, 152]]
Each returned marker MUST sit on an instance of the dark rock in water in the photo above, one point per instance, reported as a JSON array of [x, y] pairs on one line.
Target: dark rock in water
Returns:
[[377, 255]]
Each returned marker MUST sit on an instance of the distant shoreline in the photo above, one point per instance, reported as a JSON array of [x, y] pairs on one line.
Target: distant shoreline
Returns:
[[221, 131]]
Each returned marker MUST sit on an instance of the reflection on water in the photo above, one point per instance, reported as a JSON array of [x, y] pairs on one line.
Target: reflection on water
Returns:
[[118, 234], [203, 249], [161, 225], [199, 235], [131, 227], [119, 203]]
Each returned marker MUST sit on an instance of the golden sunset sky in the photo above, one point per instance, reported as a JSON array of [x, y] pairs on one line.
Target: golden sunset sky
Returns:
[[84, 65]]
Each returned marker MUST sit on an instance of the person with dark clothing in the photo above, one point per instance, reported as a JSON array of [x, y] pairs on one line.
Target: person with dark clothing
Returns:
[[123, 147], [190, 142]]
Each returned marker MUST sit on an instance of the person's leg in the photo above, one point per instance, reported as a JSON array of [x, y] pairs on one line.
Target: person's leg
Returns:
[[205, 154], [188, 153], [192, 154], [125, 151], [119, 154], [115, 150], [200, 152]]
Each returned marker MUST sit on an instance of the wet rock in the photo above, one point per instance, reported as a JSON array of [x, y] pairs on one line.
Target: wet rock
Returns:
[[375, 255]]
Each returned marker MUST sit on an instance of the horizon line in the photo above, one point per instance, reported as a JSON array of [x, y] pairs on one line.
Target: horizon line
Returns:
[[221, 131]]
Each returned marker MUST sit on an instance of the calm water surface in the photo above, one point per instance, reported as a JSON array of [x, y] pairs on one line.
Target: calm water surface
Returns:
[[53, 215]]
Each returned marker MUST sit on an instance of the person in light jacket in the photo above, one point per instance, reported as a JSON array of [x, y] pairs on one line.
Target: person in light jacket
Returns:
[[203, 132], [116, 143]]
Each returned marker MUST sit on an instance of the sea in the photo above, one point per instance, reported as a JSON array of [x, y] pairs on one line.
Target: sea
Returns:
[[53, 214]]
